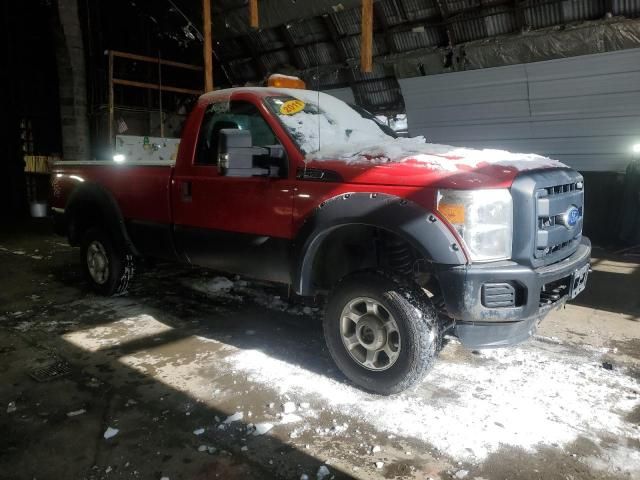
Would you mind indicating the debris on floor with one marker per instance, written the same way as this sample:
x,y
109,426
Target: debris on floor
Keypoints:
x,y
55,370
110,432
75,413
262,428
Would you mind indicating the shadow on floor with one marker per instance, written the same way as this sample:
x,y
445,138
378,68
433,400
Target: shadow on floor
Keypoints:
x,y
613,288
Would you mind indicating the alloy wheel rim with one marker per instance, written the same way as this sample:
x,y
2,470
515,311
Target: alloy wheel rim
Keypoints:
x,y
98,262
370,334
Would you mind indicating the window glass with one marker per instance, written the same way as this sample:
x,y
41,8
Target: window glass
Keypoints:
x,y
240,115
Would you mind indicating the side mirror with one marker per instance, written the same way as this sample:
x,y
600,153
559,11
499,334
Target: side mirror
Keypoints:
x,y
235,154
238,158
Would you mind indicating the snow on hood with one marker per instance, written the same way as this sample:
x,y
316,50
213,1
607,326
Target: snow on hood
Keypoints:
x,y
436,156
339,132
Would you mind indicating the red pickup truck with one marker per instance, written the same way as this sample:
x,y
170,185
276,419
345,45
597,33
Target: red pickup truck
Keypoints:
x,y
407,240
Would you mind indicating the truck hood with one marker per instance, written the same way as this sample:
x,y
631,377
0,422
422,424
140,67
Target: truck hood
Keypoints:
x,y
413,162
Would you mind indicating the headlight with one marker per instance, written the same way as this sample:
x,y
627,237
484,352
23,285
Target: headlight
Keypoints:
x,y
483,218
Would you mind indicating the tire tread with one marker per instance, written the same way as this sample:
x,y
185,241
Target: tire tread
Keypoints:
x,y
412,303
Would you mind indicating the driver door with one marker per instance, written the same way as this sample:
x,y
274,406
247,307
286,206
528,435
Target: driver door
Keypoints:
x,y
233,224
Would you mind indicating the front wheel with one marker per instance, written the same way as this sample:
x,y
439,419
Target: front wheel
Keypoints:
x,y
107,270
382,334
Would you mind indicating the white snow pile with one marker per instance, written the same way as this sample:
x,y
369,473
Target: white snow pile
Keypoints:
x,y
527,397
236,417
262,428
288,407
286,418
339,133
213,285
323,472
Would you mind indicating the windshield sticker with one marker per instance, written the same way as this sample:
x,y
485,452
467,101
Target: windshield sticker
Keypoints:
x,y
292,107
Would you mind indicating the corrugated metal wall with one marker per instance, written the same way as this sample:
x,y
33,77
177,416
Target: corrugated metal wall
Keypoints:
x,y
584,111
344,94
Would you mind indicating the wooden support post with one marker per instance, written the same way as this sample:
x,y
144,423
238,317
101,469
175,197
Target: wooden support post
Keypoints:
x,y
254,19
366,44
208,49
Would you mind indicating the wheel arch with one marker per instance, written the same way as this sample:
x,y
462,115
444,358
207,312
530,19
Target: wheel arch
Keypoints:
x,y
419,228
89,205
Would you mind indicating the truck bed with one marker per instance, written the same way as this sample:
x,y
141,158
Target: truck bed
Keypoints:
x,y
140,189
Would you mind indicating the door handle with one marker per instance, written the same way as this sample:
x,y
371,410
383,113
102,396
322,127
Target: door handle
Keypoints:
x,y
185,189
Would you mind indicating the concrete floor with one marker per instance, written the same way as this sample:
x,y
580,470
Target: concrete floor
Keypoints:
x,y
169,363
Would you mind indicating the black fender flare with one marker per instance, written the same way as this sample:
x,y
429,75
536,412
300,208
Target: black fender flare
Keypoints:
x,y
419,227
93,194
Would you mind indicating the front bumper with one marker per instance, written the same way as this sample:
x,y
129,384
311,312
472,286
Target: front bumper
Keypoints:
x,y
478,326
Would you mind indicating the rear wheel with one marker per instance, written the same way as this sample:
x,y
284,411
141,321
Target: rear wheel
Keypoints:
x,y
382,334
107,269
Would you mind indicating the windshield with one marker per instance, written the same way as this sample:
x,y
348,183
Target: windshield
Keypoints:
x,y
318,122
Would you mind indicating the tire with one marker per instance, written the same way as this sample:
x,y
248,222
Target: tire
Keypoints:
x,y
411,352
107,270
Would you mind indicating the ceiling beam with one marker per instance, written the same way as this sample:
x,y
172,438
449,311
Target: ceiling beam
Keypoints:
x,y
442,8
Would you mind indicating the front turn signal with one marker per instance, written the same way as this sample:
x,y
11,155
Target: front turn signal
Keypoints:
x,y
453,212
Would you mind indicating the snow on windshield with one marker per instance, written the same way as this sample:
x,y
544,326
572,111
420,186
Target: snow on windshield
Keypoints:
x,y
329,129
327,123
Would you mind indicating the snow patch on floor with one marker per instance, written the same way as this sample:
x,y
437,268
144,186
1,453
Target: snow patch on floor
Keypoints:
x,y
526,397
21,253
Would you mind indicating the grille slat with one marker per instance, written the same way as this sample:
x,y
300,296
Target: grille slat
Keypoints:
x,y
557,189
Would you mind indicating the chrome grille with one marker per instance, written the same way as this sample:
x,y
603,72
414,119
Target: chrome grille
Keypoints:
x,y
540,198
553,234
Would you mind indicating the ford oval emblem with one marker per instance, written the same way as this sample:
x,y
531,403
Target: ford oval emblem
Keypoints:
x,y
571,216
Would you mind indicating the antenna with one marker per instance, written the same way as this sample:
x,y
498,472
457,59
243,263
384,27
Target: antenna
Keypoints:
x,y
318,90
